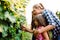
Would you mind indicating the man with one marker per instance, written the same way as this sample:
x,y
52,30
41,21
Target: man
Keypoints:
x,y
53,22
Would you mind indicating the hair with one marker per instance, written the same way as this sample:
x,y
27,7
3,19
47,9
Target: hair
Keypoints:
x,y
37,20
40,5
36,6
33,24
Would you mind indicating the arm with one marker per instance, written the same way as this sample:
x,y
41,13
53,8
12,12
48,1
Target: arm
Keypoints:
x,y
26,29
50,18
45,36
47,28
44,29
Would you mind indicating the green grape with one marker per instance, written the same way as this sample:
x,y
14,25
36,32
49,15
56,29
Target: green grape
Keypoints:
x,y
11,18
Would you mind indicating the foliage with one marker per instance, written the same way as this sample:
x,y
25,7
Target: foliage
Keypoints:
x,y
11,17
58,14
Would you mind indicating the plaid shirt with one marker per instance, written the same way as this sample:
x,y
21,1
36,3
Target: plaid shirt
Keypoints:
x,y
52,20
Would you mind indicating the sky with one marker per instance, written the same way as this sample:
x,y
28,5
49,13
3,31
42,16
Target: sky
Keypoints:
x,y
53,5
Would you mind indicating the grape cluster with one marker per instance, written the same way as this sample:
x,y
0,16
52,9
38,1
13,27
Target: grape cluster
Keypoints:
x,y
11,18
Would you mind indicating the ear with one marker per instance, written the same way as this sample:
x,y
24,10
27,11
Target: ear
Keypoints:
x,y
41,6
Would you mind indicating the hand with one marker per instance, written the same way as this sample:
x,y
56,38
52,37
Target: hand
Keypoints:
x,y
35,33
23,28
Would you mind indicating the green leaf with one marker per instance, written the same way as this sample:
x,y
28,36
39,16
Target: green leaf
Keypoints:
x,y
11,18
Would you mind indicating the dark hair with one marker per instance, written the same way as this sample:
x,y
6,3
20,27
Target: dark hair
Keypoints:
x,y
33,24
41,5
40,19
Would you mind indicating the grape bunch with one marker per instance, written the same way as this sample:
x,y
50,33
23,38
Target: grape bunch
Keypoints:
x,y
12,15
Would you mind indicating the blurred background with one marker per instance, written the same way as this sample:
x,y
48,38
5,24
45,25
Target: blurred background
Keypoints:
x,y
53,5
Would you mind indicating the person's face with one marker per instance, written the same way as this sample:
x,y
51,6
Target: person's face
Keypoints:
x,y
36,22
37,10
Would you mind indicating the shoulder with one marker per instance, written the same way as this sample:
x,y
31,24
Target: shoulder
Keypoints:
x,y
46,10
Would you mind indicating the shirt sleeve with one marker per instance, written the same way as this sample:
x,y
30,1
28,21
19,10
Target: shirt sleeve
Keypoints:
x,y
50,17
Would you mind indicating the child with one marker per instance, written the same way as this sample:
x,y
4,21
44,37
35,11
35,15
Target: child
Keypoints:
x,y
38,25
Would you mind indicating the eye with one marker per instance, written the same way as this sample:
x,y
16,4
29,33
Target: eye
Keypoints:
x,y
36,7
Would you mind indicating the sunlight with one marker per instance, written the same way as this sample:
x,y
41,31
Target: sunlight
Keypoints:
x,y
53,5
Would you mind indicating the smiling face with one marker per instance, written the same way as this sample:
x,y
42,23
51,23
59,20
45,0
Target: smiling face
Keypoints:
x,y
37,9
36,22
